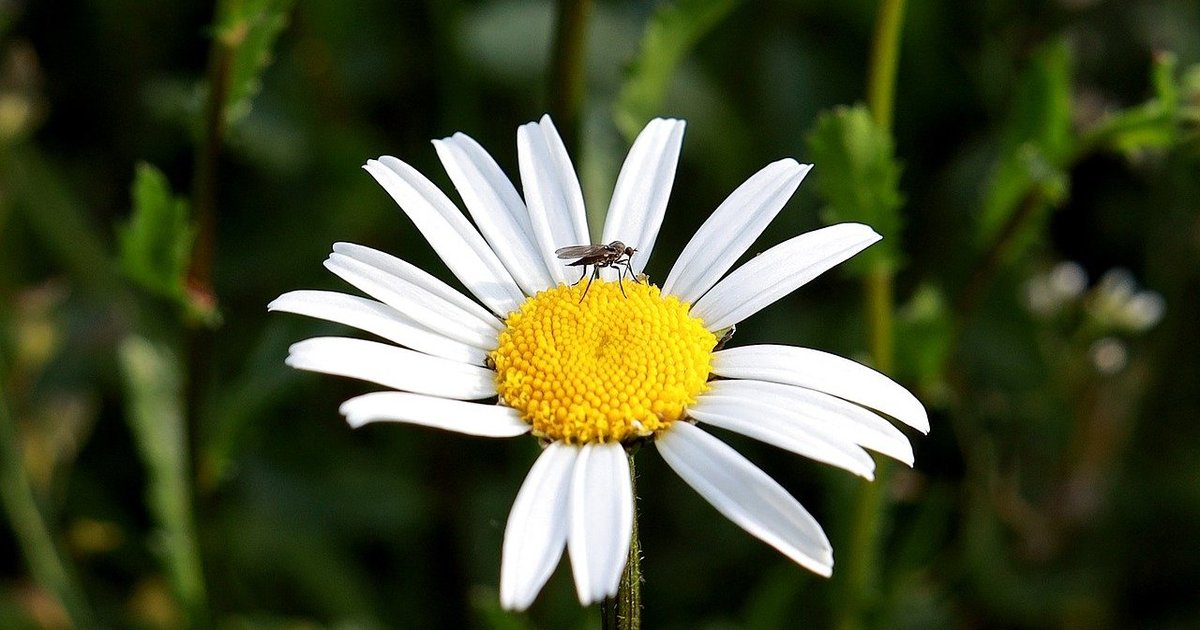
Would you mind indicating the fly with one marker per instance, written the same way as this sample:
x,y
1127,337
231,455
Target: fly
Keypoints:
x,y
614,254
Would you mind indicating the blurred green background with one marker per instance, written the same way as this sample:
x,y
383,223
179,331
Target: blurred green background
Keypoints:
x,y
168,168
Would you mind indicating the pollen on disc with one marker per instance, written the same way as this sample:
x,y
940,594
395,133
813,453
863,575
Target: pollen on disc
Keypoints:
x,y
610,368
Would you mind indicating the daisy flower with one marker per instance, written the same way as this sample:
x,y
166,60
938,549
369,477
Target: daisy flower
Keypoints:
x,y
589,375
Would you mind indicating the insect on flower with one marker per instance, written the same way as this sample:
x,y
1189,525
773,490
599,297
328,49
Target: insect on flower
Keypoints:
x,y
614,254
516,360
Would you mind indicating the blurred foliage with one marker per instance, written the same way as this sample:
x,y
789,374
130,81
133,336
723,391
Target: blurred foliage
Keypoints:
x,y
154,393
1035,144
158,473
155,246
858,178
248,30
670,34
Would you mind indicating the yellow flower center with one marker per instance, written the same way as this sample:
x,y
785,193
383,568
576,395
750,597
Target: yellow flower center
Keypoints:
x,y
608,369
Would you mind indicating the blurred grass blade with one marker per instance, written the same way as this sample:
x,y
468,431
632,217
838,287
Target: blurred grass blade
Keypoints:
x,y
154,392
248,29
673,30
155,245
29,526
858,176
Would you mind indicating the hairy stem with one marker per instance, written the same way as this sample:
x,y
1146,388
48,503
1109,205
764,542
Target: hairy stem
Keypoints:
x,y
624,612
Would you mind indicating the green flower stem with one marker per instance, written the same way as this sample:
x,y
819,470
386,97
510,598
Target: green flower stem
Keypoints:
x,y
567,68
859,571
46,564
624,612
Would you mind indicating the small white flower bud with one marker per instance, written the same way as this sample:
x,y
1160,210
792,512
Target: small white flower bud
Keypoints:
x,y
1108,355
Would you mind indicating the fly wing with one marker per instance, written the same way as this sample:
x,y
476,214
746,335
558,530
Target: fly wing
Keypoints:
x,y
576,251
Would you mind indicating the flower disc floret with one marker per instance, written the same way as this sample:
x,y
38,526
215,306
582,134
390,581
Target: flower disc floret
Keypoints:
x,y
609,368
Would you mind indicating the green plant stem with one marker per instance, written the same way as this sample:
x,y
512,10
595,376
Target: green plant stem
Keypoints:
x,y
46,564
567,68
204,212
169,451
624,612
885,55
878,285
859,572
207,159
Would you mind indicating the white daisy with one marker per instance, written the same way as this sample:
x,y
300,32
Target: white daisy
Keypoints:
x,y
591,374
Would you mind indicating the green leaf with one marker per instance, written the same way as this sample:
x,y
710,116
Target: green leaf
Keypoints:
x,y
155,245
1037,142
1041,112
856,173
672,32
247,29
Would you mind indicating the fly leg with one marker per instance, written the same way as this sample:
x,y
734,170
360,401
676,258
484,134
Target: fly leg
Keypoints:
x,y
629,268
595,274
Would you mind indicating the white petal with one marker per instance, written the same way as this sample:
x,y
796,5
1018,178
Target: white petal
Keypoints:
x,y
394,367
820,413
643,187
412,274
779,271
762,422
424,307
601,514
537,527
463,250
376,318
823,372
497,209
430,411
746,495
732,228
552,193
